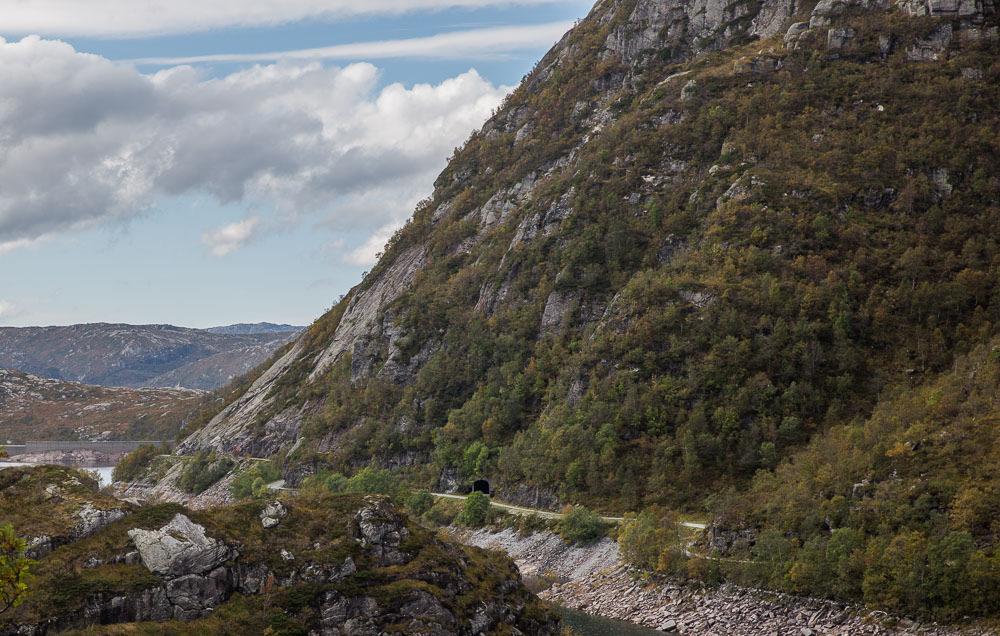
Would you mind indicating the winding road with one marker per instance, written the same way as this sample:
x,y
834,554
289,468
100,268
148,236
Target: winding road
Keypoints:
x,y
548,514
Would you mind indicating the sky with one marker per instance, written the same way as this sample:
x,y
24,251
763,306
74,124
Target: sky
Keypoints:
x,y
207,163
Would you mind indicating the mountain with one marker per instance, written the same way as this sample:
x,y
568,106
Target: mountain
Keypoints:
x,y
243,329
697,254
33,408
140,355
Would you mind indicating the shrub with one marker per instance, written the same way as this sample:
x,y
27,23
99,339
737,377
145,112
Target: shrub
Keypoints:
x,y
419,502
325,480
645,537
132,465
476,510
203,470
13,568
245,485
374,481
581,525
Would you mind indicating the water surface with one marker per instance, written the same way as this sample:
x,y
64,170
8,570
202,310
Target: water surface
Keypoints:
x,y
102,473
584,624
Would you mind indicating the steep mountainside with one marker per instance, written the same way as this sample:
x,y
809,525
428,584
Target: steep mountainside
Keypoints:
x,y
330,565
698,236
141,355
41,409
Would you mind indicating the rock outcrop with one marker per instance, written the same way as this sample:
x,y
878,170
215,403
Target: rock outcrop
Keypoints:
x,y
180,547
326,565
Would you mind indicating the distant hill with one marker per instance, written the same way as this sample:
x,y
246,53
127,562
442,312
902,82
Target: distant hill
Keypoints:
x,y
243,328
141,355
39,408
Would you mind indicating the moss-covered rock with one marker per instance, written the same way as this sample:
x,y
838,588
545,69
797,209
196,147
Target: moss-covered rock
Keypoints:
x,y
331,563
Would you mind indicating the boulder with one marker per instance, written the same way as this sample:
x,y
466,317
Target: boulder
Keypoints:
x,y
93,519
381,530
794,33
180,548
838,38
272,514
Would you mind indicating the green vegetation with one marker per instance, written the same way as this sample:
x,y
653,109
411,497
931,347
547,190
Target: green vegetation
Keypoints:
x,y
317,530
202,471
475,510
13,569
581,525
253,481
419,502
764,286
899,510
135,464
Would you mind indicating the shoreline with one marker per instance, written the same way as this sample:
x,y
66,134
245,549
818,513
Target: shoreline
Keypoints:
x,y
593,579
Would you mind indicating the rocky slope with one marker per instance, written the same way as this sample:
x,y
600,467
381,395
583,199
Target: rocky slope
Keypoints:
x,y
41,409
141,355
335,565
698,236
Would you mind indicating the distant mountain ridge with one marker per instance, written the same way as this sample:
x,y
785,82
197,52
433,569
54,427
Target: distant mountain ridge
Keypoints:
x,y
141,355
244,328
44,409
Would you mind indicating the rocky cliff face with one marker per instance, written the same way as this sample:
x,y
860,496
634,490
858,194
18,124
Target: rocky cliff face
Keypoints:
x,y
329,566
659,267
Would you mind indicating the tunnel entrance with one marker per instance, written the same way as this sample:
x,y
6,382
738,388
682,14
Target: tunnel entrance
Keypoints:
x,y
481,485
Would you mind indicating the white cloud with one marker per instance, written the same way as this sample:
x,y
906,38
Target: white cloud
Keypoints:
x,y
474,43
367,253
229,238
131,18
84,141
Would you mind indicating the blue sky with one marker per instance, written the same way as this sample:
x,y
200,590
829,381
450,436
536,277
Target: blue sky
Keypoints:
x,y
202,193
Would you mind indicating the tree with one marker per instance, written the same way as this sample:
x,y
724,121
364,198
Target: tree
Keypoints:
x,y
581,525
13,568
476,509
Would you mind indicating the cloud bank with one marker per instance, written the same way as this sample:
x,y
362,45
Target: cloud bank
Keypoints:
x,y
134,18
473,43
85,141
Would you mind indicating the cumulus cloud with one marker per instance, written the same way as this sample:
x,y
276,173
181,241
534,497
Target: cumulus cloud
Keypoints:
x,y
229,238
85,141
131,18
473,43
366,254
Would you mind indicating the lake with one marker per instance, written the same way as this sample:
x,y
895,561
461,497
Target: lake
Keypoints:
x,y
584,624
103,473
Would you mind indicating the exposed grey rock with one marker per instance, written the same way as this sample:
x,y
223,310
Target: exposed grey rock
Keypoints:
x,y
503,202
272,514
365,307
826,11
343,616
38,547
381,530
943,187
93,519
191,595
794,33
839,37
933,47
689,91
180,548
557,307
741,189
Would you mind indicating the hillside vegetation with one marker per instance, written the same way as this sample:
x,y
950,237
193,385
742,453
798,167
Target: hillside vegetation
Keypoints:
x,y
702,265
